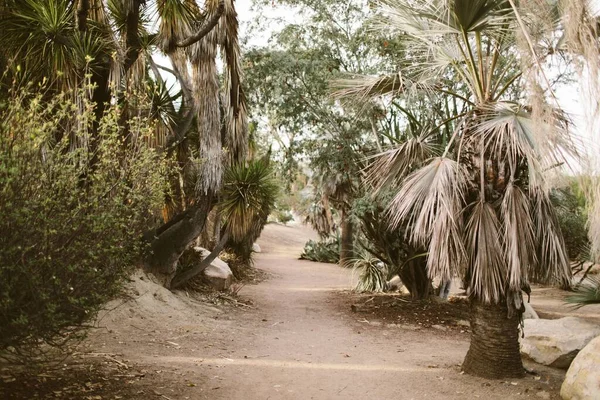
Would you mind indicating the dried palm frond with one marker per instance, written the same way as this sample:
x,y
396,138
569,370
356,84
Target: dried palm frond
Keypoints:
x,y
519,241
430,201
430,190
553,266
392,165
484,248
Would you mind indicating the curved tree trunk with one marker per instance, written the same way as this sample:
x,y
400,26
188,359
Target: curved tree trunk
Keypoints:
x,y
347,239
494,350
414,277
173,238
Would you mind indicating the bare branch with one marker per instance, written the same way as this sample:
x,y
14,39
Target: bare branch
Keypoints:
x,y
205,29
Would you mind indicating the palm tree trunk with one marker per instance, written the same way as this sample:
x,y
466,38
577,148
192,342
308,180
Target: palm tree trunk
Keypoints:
x,y
494,350
347,239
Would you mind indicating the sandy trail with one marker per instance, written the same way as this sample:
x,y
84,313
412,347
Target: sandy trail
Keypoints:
x,y
297,343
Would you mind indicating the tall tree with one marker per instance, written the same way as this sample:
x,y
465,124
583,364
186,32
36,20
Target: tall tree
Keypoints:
x,y
481,208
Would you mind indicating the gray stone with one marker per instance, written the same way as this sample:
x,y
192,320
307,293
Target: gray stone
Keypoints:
x,y
529,312
256,248
583,377
556,342
218,273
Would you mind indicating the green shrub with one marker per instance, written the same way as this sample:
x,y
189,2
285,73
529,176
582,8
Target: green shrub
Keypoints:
x,y
283,216
73,206
326,250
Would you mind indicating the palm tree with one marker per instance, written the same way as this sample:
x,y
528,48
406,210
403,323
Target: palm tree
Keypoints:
x,y
108,47
481,208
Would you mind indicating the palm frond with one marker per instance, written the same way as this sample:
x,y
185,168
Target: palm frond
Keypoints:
x,y
429,202
511,133
484,237
519,241
392,165
553,266
588,292
426,192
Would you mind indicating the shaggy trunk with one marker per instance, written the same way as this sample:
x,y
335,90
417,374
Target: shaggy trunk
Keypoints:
x,y
172,239
494,350
347,239
414,277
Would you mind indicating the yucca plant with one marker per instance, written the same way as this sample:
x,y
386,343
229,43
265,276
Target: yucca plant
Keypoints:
x,y
372,273
248,196
481,208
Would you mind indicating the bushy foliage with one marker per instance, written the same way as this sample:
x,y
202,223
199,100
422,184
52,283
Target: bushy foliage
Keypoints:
x,y
249,195
325,250
73,206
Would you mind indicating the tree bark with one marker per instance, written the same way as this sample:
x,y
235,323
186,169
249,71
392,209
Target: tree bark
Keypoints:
x,y
347,239
181,279
414,277
169,245
494,350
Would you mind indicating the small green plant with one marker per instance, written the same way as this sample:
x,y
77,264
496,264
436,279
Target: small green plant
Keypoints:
x,y
284,217
326,250
372,273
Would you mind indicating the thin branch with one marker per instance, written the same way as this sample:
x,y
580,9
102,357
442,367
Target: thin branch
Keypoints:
x,y
205,29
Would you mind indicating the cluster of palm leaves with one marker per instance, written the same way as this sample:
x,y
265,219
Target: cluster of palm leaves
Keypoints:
x,y
481,207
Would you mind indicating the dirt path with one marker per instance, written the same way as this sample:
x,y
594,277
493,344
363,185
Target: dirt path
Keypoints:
x,y
296,342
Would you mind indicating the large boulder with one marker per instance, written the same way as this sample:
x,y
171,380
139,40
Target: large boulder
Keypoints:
x,y
583,377
218,274
556,342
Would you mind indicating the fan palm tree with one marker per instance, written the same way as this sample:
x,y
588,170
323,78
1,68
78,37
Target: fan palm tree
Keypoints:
x,y
110,44
481,208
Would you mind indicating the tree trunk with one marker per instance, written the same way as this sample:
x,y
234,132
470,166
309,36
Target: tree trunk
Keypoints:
x,y
173,239
494,350
347,239
414,277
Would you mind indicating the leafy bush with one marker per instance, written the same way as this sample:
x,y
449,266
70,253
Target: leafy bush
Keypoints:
x,y
372,274
284,216
326,250
75,197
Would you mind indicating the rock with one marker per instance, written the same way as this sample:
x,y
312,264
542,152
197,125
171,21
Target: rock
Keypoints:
x,y
543,395
583,377
529,312
462,322
218,273
439,327
256,248
556,342
394,284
